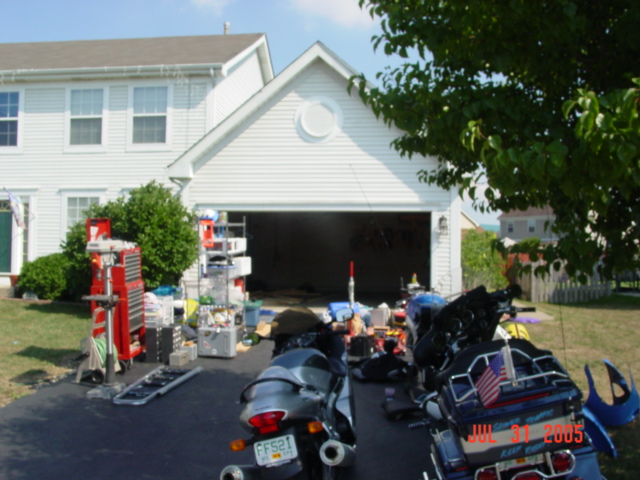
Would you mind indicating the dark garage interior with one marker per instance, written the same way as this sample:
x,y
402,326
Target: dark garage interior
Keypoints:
x,y
312,251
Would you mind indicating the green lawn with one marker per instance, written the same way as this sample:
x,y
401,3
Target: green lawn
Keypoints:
x,y
38,343
586,334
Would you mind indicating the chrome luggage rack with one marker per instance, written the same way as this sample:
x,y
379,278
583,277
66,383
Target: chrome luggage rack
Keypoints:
x,y
462,385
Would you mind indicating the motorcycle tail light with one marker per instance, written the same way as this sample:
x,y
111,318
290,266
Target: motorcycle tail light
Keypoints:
x,y
315,427
267,422
238,445
487,474
561,462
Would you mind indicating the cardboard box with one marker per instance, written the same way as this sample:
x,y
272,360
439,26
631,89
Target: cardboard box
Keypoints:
x,y
179,358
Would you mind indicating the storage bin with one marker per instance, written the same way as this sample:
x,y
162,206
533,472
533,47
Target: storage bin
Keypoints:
x,y
252,313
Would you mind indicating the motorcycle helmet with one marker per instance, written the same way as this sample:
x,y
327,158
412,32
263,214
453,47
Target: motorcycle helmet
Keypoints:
x,y
517,330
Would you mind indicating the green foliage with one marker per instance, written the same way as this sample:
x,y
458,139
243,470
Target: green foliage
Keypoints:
x,y
481,263
46,276
540,98
156,221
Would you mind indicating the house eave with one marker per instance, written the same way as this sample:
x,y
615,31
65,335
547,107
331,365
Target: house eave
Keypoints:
x,y
92,73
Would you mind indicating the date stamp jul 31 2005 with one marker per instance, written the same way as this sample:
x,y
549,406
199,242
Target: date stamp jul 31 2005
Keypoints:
x,y
520,434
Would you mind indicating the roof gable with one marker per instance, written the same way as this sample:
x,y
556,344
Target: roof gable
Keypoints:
x,y
183,166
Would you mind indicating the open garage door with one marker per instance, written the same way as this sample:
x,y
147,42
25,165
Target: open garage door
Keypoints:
x,y
312,251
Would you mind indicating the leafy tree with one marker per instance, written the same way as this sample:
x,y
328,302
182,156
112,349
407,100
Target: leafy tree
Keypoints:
x,y
481,263
541,99
153,219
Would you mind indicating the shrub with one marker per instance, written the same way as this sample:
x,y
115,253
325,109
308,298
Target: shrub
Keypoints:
x,y
152,218
46,276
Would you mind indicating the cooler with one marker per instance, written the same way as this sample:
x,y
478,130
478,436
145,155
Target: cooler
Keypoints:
x,y
217,341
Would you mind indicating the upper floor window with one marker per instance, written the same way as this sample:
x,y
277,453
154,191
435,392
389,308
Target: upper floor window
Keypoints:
x,y
510,227
531,225
85,112
9,110
150,114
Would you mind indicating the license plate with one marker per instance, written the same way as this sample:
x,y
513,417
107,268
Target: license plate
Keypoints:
x,y
275,450
521,462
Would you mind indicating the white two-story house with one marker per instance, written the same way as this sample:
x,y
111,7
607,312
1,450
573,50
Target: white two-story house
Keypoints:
x,y
303,161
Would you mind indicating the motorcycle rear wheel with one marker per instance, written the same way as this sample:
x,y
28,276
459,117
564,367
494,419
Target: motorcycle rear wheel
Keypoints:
x,y
315,469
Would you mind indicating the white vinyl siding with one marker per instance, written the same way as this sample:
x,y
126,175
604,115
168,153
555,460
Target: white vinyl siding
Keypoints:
x,y
240,84
268,166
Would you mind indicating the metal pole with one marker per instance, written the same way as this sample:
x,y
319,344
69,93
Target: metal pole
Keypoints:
x,y
110,378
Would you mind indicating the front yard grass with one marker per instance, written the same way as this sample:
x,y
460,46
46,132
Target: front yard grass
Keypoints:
x,y
38,344
586,334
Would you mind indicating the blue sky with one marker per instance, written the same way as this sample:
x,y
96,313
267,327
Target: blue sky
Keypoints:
x,y
291,26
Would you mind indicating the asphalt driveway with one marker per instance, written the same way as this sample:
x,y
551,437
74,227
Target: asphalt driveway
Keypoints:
x,y
58,433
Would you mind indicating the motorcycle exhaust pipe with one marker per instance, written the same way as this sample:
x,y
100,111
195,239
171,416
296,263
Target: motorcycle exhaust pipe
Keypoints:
x,y
337,454
240,472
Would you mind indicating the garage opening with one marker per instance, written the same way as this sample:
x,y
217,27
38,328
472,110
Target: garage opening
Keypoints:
x,y
312,251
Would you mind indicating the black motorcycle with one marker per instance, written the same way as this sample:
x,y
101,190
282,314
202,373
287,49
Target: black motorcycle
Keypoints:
x,y
300,409
498,408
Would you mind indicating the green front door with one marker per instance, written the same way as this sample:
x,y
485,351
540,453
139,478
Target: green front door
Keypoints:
x,y
5,238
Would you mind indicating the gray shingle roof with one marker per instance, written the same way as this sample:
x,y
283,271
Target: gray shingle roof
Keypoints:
x,y
194,50
530,212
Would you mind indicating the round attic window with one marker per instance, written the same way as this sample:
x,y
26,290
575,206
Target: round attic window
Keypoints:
x,y
318,119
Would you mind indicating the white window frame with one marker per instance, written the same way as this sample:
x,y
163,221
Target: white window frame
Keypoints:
x,y
531,226
17,241
88,148
150,147
12,150
510,227
64,205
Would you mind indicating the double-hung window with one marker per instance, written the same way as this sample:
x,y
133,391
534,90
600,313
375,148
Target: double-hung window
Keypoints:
x,y
77,206
150,115
9,111
85,117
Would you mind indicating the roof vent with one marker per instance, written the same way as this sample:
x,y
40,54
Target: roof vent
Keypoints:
x,y
318,119
226,27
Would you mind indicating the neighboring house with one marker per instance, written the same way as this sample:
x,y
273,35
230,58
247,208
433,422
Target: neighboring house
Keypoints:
x,y
468,223
517,225
306,164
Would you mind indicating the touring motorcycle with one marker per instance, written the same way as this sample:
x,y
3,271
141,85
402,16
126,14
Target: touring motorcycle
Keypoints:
x,y
496,409
300,409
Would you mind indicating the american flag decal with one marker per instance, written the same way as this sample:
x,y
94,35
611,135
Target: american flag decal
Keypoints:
x,y
488,384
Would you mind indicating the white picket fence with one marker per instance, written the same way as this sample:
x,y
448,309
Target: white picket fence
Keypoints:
x,y
556,287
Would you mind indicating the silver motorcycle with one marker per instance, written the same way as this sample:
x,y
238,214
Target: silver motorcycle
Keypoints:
x,y
300,409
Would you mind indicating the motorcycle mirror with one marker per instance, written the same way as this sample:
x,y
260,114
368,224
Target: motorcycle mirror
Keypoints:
x,y
344,314
250,339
